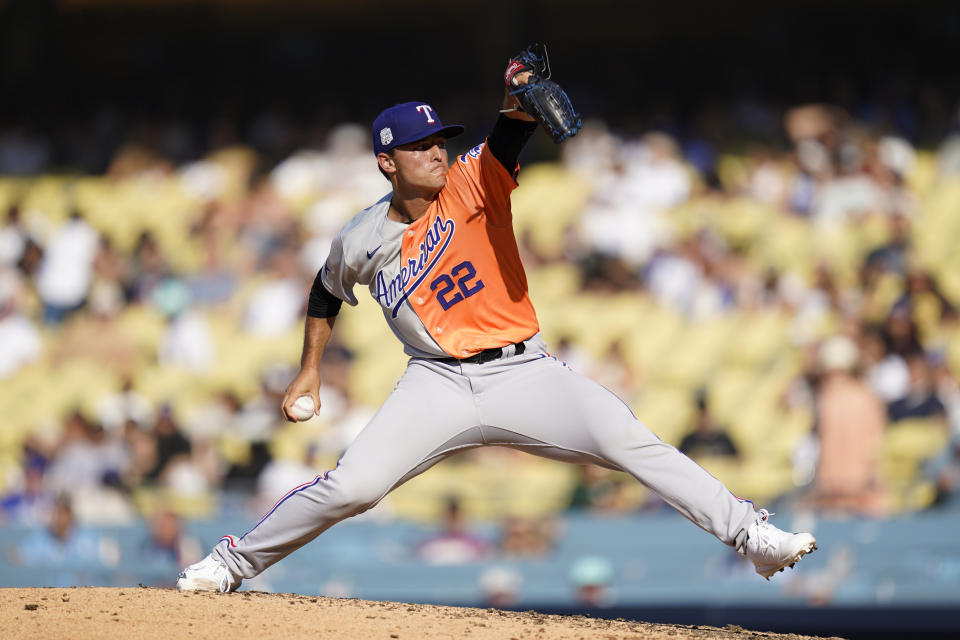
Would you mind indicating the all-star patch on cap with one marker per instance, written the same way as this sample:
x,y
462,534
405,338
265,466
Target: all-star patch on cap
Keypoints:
x,y
408,122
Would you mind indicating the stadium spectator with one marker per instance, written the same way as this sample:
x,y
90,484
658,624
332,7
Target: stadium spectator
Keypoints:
x,y
29,503
280,475
592,577
624,218
99,336
267,224
141,443
65,545
13,238
599,490
891,257
850,421
255,425
681,226
186,341
903,335
30,260
613,371
576,357
167,544
526,537
947,389
148,268
66,271
85,456
769,179
205,426
276,305
943,470
921,399
501,587
347,419
20,340
454,543
24,151
114,410
88,467
171,444
215,281
885,372
708,439
110,269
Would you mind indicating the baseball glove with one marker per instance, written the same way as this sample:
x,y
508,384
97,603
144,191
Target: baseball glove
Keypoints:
x,y
541,97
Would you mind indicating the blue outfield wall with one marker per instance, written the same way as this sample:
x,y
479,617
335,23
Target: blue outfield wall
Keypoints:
x,y
868,579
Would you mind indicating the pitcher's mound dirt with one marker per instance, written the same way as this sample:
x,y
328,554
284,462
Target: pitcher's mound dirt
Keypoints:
x,y
132,614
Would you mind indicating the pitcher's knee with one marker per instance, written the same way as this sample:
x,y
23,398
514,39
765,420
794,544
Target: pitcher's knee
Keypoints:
x,y
626,441
354,499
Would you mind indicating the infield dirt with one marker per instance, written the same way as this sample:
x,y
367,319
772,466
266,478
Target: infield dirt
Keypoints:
x,y
145,613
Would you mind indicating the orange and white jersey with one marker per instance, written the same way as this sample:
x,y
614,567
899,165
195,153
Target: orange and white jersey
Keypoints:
x,y
450,283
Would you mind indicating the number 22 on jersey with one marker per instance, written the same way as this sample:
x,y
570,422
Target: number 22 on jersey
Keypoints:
x,y
464,273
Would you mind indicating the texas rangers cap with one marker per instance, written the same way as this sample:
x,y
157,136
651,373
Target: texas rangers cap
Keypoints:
x,y
408,122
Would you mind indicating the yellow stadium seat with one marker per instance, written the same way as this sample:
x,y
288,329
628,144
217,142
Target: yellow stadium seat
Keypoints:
x,y
150,500
696,352
754,427
787,246
363,327
292,440
906,445
915,439
160,384
527,486
752,478
741,221
728,390
732,171
48,198
11,192
145,326
549,202
922,176
649,344
667,411
758,339
953,352
79,384
947,274
553,283
373,375
871,232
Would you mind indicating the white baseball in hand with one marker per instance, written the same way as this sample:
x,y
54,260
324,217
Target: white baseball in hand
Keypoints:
x,y
303,409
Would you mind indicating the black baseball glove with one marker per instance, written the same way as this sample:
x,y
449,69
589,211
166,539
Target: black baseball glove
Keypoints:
x,y
541,97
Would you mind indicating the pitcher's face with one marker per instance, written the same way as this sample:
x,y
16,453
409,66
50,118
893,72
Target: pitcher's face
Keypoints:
x,y
419,164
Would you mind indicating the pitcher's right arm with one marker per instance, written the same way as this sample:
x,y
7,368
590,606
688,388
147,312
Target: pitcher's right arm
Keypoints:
x,y
321,316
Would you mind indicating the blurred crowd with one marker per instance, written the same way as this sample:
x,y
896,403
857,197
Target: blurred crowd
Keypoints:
x,y
864,275
785,313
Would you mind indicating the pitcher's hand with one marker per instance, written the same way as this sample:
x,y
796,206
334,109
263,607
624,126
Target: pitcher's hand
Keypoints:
x,y
307,383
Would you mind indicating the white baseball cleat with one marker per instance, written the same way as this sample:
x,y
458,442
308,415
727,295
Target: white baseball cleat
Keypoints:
x,y
210,574
771,549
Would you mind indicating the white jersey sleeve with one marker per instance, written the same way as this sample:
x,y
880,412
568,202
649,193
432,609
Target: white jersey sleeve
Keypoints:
x,y
337,273
348,262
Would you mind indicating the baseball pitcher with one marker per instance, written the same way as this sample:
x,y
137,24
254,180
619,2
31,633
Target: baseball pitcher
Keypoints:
x,y
438,253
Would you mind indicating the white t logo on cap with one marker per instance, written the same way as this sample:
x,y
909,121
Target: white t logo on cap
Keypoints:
x,y
426,109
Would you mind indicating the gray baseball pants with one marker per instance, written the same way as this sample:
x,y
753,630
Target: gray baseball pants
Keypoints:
x,y
529,401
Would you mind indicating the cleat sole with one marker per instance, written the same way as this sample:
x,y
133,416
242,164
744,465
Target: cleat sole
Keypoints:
x,y
768,573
